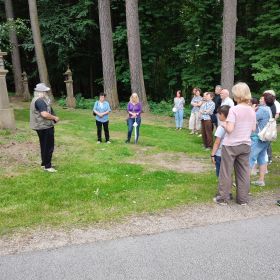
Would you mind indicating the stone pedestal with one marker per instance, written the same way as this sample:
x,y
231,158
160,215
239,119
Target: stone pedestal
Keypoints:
x,y
26,93
70,99
7,118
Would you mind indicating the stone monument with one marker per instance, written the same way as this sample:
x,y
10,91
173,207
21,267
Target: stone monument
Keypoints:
x,y
7,118
70,100
26,93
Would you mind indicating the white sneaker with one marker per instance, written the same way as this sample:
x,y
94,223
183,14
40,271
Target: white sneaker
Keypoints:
x,y
98,142
108,142
51,169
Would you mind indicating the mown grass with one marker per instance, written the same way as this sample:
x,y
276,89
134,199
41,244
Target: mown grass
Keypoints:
x,y
94,182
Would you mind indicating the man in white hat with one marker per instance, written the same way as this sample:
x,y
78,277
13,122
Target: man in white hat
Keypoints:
x,y
42,119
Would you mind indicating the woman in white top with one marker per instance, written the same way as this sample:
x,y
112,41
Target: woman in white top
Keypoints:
x,y
178,109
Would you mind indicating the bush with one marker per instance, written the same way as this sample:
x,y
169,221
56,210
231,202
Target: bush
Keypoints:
x,y
163,108
81,102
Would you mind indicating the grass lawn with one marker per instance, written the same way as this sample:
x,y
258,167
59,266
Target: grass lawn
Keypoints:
x,y
97,183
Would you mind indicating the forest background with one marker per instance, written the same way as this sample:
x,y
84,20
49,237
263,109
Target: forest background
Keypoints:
x,y
181,44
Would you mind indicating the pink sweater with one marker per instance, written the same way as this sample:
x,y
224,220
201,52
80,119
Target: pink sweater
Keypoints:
x,y
244,119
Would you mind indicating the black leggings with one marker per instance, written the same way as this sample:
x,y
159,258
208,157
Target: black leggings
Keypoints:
x,y
99,130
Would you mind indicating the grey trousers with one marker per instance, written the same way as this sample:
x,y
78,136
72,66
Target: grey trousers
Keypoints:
x,y
237,158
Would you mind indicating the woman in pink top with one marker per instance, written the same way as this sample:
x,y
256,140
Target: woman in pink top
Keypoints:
x,y
240,123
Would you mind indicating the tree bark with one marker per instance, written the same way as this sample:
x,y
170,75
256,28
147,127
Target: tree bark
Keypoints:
x,y
108,63
228,45
15,50
39,51
134,52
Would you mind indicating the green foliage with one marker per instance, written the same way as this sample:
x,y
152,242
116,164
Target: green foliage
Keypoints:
x,y
19,26
266,53
81,102
180,44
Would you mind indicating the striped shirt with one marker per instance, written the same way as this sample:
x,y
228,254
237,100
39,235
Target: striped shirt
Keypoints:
x,y
209,105
196,99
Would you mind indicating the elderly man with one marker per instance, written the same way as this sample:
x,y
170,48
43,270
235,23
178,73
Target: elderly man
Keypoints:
x,y
217,100
226,100
42,120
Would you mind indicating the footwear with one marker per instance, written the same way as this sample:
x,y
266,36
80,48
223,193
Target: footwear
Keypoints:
x,y
278,202
191,133
51,170
220,201
127,142
42,166
180,128
98,142
199,135
243,204
254,172
258,183
108,142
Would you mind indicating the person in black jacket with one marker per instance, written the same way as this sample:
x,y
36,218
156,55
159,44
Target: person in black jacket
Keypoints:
x,y
217,100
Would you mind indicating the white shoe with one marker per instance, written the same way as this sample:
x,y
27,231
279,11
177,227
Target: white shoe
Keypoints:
x,y
98,142
108,142
51,169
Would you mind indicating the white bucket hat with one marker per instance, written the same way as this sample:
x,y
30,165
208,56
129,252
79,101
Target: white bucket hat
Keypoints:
x,y
41,87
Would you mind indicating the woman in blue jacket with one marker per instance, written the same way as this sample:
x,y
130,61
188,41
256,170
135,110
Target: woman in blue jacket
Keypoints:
x,y
101,110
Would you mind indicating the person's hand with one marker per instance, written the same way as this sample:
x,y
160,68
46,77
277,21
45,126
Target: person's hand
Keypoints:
x,y
213,160
56,119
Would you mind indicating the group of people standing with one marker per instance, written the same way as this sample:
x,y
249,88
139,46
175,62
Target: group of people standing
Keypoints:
x,y
237,146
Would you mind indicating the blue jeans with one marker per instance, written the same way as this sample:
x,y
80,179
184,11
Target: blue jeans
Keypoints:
x,y
217,164
130,123
258,152
179,118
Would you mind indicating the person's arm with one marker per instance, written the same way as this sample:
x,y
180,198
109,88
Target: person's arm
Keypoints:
x,y
210,110
229,127
108,110
215,148
95,110
49,116
138,109
129,110
194,104
42,107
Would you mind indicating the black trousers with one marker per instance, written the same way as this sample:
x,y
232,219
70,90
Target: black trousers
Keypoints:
x,y
99,130
46,137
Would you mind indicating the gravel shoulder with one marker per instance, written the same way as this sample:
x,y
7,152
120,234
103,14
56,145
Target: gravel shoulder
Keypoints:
x,y
262,204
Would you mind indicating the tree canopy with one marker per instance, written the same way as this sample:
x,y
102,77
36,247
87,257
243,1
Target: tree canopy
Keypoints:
x,y
180,44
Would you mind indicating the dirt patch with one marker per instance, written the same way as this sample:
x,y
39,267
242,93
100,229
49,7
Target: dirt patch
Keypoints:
x,y
15,154
179,218
179,162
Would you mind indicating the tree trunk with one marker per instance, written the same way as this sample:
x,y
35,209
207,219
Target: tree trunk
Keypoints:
x,y
109,73
39,51
134,52
228,47
15,50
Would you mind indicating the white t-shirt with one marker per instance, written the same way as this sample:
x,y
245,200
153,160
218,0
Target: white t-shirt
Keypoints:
x,y
227,101
220,132
277,105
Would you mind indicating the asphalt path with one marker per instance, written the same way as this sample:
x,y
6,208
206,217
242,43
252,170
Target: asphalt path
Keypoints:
x,y
247,249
